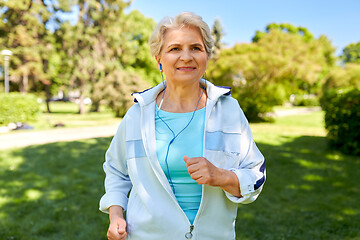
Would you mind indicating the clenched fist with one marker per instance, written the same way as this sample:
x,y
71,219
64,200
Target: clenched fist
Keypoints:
x,y
204,172
117,227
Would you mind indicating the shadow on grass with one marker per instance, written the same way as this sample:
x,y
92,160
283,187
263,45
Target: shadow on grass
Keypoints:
x,y
311,192
52,192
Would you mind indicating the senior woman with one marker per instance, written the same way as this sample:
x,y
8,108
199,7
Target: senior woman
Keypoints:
x,y
185,149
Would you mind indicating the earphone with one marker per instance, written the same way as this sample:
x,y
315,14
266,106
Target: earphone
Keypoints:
x,y
163,81
174,135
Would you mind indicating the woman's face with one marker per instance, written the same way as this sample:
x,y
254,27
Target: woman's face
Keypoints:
x,y
183,56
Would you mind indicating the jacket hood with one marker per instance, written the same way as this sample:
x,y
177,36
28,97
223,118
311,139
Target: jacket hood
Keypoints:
x,y
149,95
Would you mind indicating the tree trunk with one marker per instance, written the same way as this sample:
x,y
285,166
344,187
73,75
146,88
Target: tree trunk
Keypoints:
x,y
81,104
81,98
95,106
24,83
47,83
48,96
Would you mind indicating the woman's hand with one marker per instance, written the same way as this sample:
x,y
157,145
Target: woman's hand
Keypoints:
x,y
117,227
204,172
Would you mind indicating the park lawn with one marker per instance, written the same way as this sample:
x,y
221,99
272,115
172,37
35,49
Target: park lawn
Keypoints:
x,y
66,113
52,191
311,191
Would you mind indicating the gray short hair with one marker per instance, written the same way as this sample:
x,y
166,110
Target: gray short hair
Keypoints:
x,y
183,19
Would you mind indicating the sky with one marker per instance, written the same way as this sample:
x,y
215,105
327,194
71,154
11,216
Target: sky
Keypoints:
x,y
339,20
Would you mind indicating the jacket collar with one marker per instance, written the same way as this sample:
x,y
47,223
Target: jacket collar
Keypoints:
x,y
149,95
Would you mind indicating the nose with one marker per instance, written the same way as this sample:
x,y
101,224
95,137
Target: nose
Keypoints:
x,y
186,55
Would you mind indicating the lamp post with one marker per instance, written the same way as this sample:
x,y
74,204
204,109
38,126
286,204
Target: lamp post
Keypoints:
x,y
7,54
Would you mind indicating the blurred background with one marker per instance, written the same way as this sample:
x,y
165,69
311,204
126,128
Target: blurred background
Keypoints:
x,y
67,71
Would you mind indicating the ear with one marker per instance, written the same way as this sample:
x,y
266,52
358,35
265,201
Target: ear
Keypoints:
x,y
159,64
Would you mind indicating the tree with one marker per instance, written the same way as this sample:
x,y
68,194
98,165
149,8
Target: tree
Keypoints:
x,y
137,63
57,78
303,49
52,54
88,57
105,40
139,29
23,30
116,87
217,33
343,77
351,53
285,28
347,76
266,72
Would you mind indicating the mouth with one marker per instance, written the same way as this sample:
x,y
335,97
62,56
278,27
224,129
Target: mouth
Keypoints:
x,y
186,69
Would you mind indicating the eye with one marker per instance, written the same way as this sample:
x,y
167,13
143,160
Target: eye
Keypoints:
x,y
198,48
174,49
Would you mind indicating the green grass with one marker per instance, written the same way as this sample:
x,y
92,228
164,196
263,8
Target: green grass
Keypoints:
x,y
287,107
67,114
311,192
52,191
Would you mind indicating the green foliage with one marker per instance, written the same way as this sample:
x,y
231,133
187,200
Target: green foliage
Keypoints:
x,y
140,29
104,42
217,33
265,73
342,119
74,57
305,100
343,77
116,90
286,28
253,104
22,30
351,53
16,107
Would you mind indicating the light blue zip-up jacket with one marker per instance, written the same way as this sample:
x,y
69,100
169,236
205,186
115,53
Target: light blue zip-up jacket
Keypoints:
x,y
152,210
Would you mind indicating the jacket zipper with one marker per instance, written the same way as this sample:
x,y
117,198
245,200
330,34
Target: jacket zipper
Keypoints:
x,y
189,235
172,195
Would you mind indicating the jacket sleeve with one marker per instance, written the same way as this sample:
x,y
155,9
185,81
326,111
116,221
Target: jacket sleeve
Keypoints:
x,y
117,181
251,171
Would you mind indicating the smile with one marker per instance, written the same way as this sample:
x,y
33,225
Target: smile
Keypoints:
x,y
186,69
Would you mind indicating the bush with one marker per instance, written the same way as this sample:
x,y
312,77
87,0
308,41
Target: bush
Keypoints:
x,y
255,105
342,119
257,102
17,107
305,100
115,90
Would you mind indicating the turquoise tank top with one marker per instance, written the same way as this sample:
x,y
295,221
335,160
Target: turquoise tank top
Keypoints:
x,y
190,142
